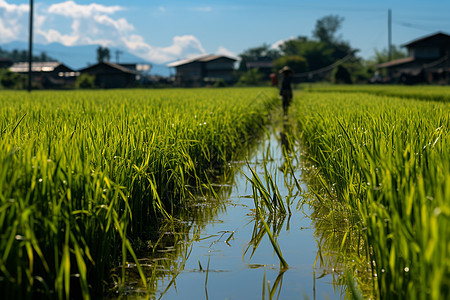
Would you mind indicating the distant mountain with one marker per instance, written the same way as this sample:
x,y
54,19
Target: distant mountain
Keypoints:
x,y
78,57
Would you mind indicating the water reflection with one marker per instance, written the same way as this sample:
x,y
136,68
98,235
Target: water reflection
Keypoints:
x,y
163,258
342,251
274,289
220,249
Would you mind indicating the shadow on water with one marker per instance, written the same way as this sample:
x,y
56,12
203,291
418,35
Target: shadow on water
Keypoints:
x,y
230,244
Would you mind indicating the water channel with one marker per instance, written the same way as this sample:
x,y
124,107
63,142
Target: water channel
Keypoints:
x,y
209,254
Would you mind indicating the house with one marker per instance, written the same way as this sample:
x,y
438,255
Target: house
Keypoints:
x,y
110,75
264,65
143,71
203,70
5,62
427,61
52,74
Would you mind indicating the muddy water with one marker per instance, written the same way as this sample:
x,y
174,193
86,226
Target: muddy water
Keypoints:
x,y
209,255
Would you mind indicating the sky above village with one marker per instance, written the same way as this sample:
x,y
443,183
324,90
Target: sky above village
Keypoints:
x,y
164,31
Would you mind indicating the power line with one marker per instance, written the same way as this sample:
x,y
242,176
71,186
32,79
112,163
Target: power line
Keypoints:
x,y
414,26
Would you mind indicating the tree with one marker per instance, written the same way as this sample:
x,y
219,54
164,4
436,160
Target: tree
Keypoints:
x,y
326,28
297,63
261,53
22,56
383,55
341,75
325,31
251,77
12,80
316,53
44,57
103,54
85,81
293,46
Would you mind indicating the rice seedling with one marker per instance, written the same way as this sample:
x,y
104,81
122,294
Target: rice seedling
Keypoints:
x,y
419,92
341,247
83,174
268,202
387,160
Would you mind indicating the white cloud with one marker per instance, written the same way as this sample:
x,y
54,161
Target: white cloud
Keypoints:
x,y
71,9
203,9
182,47
70,24
55,36
277,44
13,21
91,24
223,51
186,43
14,8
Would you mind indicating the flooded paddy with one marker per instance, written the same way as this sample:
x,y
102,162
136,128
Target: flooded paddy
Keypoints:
x,y
220,250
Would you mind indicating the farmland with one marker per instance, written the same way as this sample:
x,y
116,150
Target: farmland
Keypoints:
x,y
386,159
83,171
88,175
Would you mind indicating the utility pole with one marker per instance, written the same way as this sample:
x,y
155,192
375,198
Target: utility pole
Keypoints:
x,y
118,52
390,34
30,47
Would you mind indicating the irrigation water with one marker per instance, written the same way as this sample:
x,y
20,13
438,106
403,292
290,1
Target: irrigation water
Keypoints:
x,y
219,250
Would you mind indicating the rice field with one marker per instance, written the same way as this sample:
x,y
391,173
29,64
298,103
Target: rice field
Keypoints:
x,y
387,160
418,92
86,175
82,173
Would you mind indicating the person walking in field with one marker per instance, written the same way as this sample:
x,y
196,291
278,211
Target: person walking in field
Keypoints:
x,y
285,88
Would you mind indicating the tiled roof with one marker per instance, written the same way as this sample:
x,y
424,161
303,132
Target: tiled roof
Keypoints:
x,y
202,58
22,67
439,35
396,62
111,65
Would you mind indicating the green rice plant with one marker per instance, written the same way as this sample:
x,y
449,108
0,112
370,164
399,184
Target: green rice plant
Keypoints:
x,y
84,173
387,160
268,200
418,92
341,244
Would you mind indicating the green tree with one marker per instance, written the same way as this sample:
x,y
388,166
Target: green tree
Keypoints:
x,y
261,53
383,55
11,80
103,54
316,53
341,75
85,81
22,56
297,63
251,78
326,28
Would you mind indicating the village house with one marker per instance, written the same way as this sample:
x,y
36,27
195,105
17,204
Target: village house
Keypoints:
x,y
264,65
203,70
110,75
5,63
52,74
427,61
142,71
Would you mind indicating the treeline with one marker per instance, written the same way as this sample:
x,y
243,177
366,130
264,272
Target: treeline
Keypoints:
x,y
325,56
22,56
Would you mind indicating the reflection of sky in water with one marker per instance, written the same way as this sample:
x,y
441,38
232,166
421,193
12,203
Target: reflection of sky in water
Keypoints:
x,y
230,276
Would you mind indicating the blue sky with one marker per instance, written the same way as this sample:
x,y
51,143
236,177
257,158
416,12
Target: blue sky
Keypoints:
x,y
163,31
